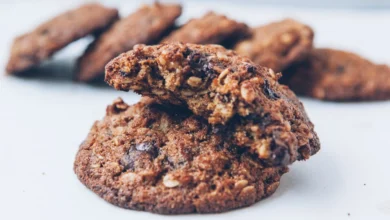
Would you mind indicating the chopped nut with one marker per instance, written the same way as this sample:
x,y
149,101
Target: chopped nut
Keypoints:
x,y
116,142
222,56
241,184
286,38
162,60
194,81
158,91
203,92
129,177
263,148
248,190
248,92
255,128
169,182
223,75
125,69
96,165
114,167
136,88
187,93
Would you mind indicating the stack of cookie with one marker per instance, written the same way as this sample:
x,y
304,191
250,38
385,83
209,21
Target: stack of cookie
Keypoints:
x,y
213,132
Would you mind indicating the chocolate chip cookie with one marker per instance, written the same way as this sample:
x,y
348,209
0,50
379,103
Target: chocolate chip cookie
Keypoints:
x,y
32,48
242,100
277,45
212,28
339,76
164,159
146,25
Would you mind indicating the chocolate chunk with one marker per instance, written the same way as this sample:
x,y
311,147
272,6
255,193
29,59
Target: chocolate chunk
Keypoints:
x,y
269,92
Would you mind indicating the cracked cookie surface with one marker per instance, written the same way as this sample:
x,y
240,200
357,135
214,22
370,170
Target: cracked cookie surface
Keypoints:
x,y
239,98
30,49
336,75
146,26
164,159
277,45
212,28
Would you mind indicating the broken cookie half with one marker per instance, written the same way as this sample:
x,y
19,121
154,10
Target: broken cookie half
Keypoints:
x,y
238,98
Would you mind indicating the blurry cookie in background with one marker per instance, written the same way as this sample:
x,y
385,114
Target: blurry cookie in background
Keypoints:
x,y
212,28
277,45
32,48
145,26
336,75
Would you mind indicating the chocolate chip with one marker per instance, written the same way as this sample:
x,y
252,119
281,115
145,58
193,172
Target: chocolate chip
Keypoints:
x,y
340,69
139,155
128,160
187,52
218,129
237,150
269,92
199,62
220,147
134,70
263,121
250,68
154,72
123,73
147,147
209,71
194,59
280,155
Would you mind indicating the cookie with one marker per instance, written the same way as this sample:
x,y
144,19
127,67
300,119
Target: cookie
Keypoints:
x,y
336,75
164,159
242,100
30,49
212,28
146,25
277,45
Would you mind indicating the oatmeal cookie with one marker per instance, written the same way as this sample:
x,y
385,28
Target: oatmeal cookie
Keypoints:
x,y
241,99
212,28
162,159
30,49
277,45
336,75
146,26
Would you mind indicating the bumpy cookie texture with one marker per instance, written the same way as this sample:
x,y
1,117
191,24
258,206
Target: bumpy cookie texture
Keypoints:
x,y
242,100
212,28
277,45
32,48
146,26
166,160
339,76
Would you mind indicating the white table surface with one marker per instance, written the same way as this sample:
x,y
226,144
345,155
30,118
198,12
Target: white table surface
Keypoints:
x,y
43,119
